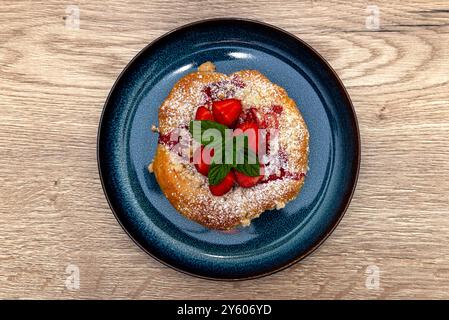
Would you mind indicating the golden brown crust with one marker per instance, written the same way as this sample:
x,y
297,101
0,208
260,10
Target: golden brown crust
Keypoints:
x,y
187,190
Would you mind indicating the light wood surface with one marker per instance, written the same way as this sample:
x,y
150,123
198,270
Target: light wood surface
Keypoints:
x,y
54,80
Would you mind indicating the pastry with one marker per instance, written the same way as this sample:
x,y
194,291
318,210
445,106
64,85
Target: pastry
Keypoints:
x,y
223,196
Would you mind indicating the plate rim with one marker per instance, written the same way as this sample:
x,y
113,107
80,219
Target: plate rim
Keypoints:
x,y
348,199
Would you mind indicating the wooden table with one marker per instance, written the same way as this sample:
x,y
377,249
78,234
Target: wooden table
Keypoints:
x,y
55,75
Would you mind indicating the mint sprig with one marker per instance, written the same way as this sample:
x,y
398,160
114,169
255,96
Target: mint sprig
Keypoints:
x,y
217,172
250,165
244,160
198,130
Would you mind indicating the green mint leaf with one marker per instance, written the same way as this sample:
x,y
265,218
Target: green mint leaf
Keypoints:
x,y
217,172
239,149
250,165
218,155
243,159
251,170
244,154
198,128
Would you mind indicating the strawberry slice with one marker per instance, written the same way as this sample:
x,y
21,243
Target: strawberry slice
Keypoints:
x,y
278,109
202,159
224,186
227,111
257,116
202,113
251,115
251,130
246,181
270,120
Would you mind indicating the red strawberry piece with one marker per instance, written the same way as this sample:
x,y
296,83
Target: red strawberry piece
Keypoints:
x,y
202,159
224,186
202,113
257,116
246,181
227,111
251,115
251,130
277,109
270,120
245,117
208,92
267,141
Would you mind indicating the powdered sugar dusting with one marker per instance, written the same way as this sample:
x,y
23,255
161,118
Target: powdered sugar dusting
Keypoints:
x,y
240,204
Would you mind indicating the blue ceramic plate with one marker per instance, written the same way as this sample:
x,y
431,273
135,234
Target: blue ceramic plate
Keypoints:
x,y
126,146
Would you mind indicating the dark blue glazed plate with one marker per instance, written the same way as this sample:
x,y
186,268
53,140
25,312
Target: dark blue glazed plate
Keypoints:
x,y
126,146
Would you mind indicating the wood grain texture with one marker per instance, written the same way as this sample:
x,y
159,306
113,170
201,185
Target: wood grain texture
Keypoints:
x,y
53,84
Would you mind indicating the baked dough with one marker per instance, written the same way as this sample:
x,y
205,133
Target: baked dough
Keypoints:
x,y
187,190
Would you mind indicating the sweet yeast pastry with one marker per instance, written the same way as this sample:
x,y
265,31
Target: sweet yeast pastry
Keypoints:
x,y
243,100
